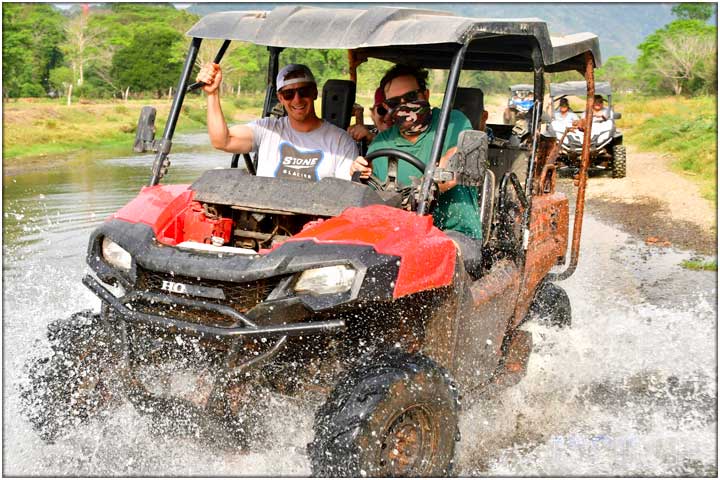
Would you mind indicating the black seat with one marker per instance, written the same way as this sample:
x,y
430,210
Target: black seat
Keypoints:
x,y
470,101
338,97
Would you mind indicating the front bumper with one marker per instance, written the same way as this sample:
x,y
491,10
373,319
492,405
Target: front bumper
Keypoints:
x,y
243,326
230,296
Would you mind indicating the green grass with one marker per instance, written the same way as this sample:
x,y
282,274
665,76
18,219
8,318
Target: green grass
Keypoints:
x,y
708,265
685,128
41,130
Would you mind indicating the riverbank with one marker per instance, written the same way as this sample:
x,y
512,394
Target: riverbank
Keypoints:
x,y
44,133
40,133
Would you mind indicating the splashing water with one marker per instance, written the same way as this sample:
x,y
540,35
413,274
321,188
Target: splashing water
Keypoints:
x,y
629,390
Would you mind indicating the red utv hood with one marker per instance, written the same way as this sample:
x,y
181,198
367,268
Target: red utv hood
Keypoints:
x,y
427,255
158,206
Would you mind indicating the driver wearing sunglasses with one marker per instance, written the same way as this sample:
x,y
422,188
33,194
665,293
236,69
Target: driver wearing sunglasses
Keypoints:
x,y
300,145
415,124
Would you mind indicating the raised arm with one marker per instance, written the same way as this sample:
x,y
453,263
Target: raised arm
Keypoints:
x,y
239,138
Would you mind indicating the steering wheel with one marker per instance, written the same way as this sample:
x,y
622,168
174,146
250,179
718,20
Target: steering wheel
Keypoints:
x,y
393,155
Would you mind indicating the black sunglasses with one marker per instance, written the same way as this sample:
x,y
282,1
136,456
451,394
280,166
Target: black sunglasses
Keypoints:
x,y
305,92
410,96
381,110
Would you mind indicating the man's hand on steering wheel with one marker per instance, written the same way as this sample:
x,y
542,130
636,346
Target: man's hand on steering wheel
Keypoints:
x,y
363,166
362,170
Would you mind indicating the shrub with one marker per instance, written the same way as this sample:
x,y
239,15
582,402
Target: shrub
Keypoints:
x,y
32,90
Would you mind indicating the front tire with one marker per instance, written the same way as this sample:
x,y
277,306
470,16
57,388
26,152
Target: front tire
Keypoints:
x,y
619,161
394,415
71,385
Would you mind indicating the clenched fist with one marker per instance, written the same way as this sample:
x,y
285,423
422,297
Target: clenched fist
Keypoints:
x,y
211,75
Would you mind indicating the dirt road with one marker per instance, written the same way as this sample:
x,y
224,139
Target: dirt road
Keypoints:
x,y
653,202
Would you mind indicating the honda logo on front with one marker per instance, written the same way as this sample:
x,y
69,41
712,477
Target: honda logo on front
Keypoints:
x,y
174,287
193,290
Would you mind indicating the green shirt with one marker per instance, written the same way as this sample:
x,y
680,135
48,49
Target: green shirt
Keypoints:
x,y
457,209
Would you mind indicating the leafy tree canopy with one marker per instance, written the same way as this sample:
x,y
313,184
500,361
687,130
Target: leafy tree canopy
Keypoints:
x,y
31,35
619,72
145,64
684,35
694,11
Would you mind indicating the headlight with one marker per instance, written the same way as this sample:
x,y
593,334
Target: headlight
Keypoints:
x,y
321,281
115,255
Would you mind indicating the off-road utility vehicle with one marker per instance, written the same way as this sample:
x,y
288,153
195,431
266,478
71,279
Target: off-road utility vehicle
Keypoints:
x,y
607,151
332,290
519,104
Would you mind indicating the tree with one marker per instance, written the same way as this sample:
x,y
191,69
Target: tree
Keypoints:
x,y
246,67
62,78
619,72
31,35
682,59
79,45
661,50
693,11
16,59
146,63
114,26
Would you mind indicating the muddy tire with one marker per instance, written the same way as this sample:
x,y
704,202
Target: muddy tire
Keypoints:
x,y
552,305
394,415
619,162
72,383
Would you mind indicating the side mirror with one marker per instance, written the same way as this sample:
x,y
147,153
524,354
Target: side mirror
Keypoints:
x,y
145,132
471,159
617,115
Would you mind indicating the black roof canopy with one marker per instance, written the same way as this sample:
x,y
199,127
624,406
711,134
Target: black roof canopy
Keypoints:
x,y
423,37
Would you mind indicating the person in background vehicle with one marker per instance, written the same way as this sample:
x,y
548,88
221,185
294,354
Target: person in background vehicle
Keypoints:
x,y
380,118
599,112
483,126
299,145
415,124
564,117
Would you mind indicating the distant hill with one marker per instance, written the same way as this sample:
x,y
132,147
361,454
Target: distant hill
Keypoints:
x,y
620,26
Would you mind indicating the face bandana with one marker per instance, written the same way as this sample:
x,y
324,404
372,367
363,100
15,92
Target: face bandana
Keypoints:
x,y
412,118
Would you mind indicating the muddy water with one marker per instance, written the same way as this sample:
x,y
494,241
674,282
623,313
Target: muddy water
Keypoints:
x,y
629,390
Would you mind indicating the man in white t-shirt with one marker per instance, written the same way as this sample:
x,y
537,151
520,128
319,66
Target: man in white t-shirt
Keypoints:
x,y
564,117
299,145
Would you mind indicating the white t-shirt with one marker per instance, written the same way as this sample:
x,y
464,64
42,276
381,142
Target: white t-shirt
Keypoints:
x,y
283,152
560,123
600,115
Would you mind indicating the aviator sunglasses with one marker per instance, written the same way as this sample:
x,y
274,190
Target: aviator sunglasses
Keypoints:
x,y
305,92
407,97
